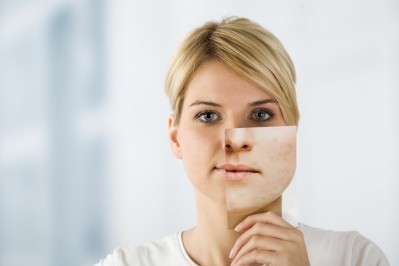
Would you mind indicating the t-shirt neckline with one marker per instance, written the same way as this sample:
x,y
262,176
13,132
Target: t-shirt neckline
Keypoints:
x,y
183,249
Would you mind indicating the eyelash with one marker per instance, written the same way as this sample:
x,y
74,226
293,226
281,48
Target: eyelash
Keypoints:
x,y
269,112
199,116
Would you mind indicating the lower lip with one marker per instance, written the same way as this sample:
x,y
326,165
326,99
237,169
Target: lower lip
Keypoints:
x,y
237,176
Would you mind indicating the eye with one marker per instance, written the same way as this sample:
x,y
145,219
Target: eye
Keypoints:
x,y
261,115
208,116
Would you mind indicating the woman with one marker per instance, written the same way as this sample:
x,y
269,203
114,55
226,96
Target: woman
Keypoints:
x,y
227,75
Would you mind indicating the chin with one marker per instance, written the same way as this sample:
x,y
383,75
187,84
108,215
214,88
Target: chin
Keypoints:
x,y
243,208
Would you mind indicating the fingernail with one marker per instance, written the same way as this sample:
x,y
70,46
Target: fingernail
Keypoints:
x,y
238,227
232,253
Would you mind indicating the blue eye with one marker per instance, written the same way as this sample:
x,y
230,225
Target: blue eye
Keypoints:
x,y
207,117
261,115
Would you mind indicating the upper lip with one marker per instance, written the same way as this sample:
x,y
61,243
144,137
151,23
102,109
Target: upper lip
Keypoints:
x,y
237,168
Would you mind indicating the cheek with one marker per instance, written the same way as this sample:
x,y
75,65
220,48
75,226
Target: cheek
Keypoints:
x,y
278,162
281,150
201,150
198,142
287,158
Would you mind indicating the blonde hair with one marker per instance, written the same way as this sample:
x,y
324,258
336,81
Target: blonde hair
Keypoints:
x,y
246,48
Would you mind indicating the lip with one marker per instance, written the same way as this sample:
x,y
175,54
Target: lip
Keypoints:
x,y
236,172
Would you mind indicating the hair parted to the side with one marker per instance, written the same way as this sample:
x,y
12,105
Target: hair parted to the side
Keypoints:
x,y
246,48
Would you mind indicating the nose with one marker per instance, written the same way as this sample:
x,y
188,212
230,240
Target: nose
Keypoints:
x,y
238,139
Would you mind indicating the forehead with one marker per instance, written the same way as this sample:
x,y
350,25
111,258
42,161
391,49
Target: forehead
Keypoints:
x,y
214,81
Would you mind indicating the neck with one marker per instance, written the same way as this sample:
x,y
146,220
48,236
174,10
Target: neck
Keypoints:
x,y
210,242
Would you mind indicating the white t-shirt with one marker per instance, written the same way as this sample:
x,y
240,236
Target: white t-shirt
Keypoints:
x,y
324,248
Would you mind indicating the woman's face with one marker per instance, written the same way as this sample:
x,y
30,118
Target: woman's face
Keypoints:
x,y
217,99
260,163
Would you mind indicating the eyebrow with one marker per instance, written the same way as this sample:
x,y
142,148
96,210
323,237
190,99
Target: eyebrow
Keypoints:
x,y
205,103
262,102
219,105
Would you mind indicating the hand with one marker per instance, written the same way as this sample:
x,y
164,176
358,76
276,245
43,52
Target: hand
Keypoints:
x,y
268,239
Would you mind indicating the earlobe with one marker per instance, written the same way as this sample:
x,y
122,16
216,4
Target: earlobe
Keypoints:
x,y
173,137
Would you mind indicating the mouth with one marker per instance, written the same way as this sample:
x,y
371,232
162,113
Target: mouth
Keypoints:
x,y
236,172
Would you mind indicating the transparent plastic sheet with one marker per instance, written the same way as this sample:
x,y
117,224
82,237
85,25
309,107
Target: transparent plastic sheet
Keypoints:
x,y
290,203
260,167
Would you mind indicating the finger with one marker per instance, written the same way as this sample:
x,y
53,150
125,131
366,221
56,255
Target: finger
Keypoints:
x,y
266,217
262,243
261,229
263,257
287,236
290,252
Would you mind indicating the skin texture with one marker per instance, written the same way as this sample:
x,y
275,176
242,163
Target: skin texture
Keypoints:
x,y
270,153
217,99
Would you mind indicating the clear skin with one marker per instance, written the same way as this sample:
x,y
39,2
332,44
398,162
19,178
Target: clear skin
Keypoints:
x,y
217,99
267,159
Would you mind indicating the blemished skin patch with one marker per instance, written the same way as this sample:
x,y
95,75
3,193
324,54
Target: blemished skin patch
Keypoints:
x,y
260,164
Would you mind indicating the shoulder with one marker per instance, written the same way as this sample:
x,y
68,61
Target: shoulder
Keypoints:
x,y
328,247
165,251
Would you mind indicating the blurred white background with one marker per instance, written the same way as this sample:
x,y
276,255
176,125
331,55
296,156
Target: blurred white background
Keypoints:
x,y
84,157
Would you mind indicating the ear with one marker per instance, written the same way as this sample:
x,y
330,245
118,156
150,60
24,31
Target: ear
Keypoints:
x,y
173,137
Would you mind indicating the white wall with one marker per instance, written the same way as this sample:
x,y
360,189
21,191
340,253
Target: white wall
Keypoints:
x,y
346,55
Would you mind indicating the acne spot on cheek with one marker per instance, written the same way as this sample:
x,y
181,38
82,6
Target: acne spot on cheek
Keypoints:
x,y
280,151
